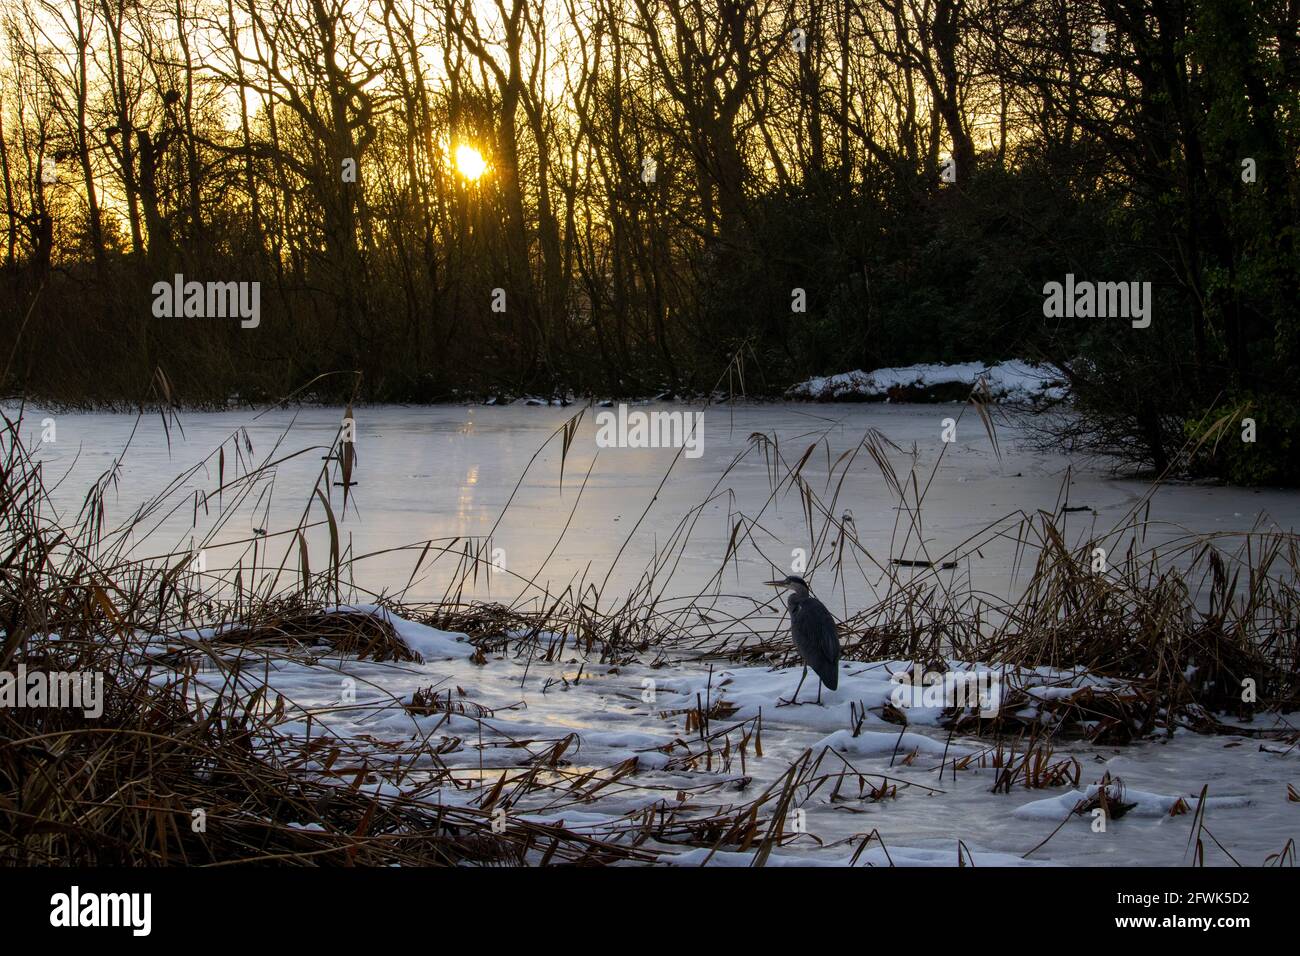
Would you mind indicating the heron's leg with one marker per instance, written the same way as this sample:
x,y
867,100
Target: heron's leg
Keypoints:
x,y
819,691
795,698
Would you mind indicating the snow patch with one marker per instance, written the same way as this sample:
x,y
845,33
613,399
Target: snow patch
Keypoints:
x,y
1147,804
1014,381
429,642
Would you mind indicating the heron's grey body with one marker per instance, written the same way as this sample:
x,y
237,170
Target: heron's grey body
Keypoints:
x,y
814,633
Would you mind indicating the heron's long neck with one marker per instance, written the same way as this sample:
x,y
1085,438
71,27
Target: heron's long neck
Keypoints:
x,y
796,598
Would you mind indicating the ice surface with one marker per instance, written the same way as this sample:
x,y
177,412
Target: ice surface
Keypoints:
x,y
444,473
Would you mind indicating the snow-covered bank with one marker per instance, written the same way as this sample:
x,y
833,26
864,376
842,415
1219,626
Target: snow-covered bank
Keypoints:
x,y
621,744
1013,382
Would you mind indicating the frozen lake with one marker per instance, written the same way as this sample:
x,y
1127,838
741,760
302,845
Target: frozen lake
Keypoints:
x,y
445,474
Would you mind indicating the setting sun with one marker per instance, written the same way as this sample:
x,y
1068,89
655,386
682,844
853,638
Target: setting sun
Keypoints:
x,y
470,162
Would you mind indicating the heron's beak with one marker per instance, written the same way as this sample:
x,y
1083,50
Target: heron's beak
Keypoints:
x,y
776,584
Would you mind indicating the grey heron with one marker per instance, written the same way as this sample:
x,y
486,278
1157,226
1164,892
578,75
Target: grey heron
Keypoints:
x,y
815,637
